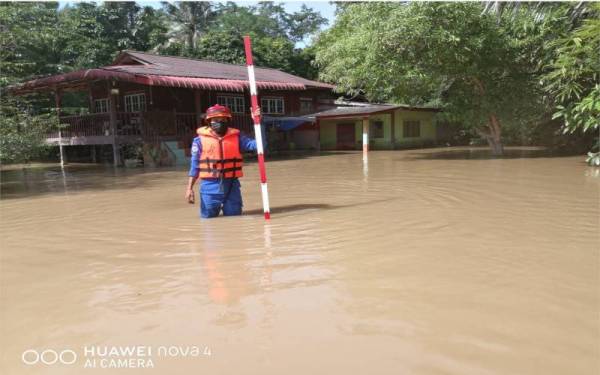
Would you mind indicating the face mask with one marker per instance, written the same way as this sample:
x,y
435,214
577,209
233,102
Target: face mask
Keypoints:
x,y
219,127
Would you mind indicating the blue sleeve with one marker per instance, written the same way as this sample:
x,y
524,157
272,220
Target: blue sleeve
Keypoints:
x,y
249,144
195,159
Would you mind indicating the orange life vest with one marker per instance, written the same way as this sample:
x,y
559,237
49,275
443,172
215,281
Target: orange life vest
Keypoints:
x,y
220,156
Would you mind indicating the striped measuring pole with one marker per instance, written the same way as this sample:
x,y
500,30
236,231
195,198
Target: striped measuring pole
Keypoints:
x,y
257,129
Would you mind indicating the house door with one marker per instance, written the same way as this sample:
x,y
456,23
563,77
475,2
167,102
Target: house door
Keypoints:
x,y
346,136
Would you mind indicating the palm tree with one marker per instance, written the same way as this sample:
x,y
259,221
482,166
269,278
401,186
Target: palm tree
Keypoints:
x,y
189,20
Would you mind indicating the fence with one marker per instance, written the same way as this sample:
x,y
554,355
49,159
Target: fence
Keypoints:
x,y
96,124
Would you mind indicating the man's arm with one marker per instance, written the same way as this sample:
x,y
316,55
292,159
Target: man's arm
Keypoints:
x,y
191,182
193,173
249,144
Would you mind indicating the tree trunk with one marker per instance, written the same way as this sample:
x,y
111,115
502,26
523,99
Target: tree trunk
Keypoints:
x,y
192,33
496,146
191,39
494,139
493,135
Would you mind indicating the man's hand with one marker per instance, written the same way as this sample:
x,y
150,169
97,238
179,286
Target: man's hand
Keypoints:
x,y
189,196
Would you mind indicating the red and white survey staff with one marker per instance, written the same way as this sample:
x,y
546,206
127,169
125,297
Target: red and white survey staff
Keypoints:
x,y
257,128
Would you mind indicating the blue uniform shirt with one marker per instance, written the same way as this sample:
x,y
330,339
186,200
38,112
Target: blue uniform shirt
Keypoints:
x,y
212,185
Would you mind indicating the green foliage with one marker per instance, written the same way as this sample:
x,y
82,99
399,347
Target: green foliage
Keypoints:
x,y
274,33
95,34
22,132
38,39
573,79
268,20
29,41
187,21
221,46
219,37
28,47
302,63
593,159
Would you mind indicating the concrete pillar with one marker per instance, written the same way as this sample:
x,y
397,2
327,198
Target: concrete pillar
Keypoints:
x,y
393,129
318,135
365,135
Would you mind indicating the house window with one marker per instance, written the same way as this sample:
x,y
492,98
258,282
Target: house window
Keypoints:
x,y
237,104
412,129
306,105
376,128
272,106
135,103
101,105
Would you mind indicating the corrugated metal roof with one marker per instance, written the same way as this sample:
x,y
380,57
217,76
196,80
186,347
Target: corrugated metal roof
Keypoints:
x,y
354,111
155,70
187,67
350,111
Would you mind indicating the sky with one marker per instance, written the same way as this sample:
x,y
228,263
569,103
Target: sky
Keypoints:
x,y
326,9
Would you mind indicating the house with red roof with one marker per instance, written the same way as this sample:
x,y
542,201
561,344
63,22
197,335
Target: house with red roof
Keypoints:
x,y
160,100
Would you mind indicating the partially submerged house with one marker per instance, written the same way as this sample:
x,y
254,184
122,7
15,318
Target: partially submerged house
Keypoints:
x,y
158,101
350,124
385,126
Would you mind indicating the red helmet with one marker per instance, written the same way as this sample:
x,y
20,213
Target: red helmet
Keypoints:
x,y
217,110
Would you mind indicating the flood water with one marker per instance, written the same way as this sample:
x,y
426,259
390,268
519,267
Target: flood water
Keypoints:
x,y
418,262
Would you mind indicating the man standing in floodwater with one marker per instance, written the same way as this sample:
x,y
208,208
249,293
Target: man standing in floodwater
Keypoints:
x,y
217,161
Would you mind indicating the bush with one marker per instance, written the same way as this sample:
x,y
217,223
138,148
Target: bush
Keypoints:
x,y
22,133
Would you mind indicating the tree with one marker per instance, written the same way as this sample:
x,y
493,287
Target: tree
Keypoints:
x,y
566,44
221,46
302,63
29,46
273,31
28,41
567,53
447,54
22,132
189,20
573,78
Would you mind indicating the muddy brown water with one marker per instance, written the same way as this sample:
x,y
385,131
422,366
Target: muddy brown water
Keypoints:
x,y
418,262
